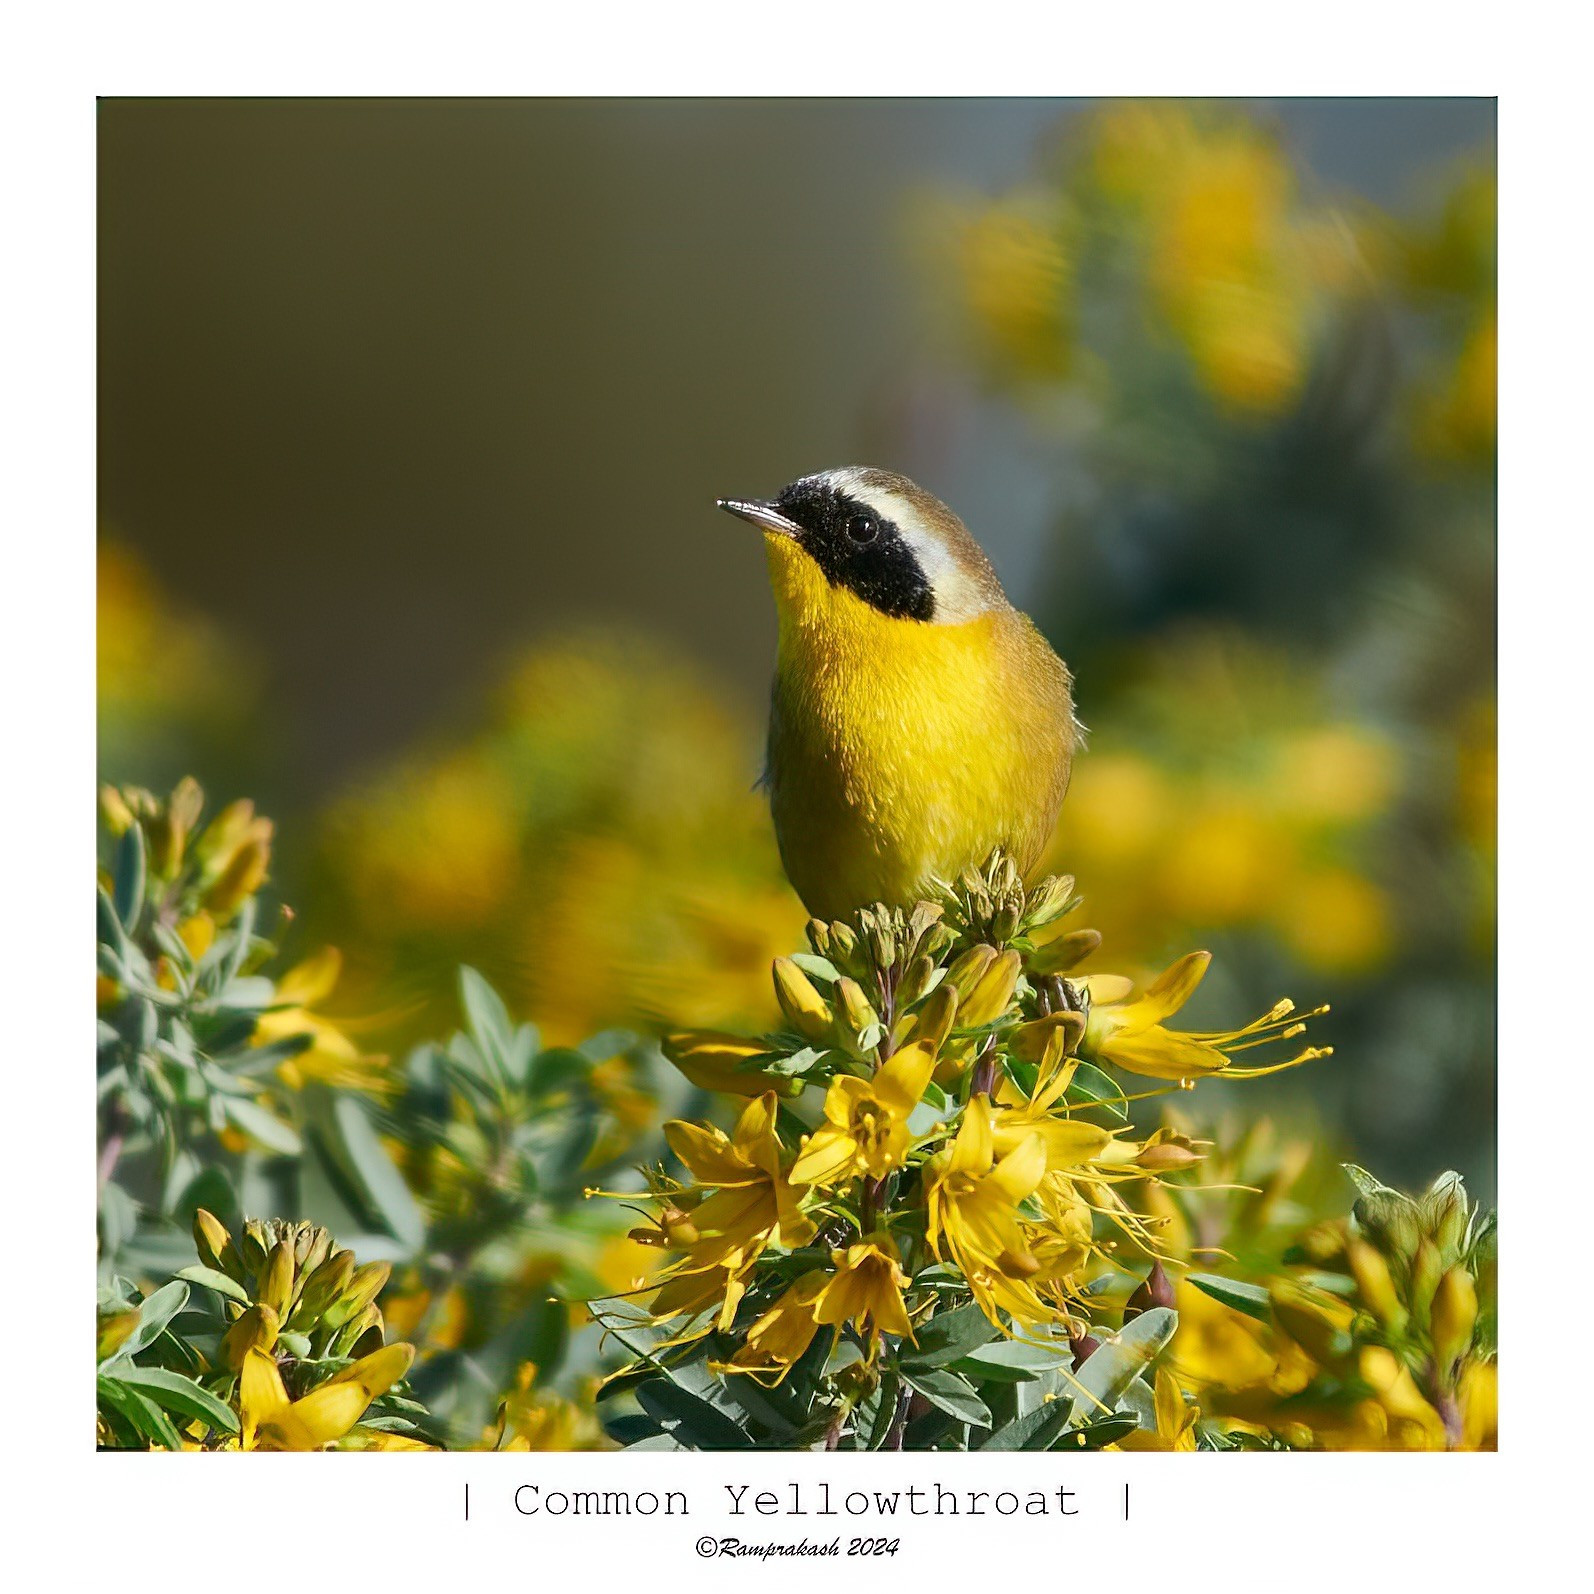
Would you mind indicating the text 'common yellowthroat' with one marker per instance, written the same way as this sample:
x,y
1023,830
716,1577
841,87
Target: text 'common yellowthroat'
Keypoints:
x,y
918,719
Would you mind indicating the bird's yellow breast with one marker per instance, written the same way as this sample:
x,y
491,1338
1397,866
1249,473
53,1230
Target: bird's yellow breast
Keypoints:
x,y
901,751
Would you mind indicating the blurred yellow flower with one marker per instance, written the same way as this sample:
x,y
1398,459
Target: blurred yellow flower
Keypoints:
x,y
331,1058
541,1419
1336,921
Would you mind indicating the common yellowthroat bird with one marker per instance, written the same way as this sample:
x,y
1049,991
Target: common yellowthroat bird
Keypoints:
x,y
917,718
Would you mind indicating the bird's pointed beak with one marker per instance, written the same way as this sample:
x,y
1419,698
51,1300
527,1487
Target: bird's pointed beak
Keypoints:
x,y
765,516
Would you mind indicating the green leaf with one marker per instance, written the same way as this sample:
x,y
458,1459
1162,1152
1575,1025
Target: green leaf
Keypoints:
x,y
154,1313
261,1124
1109,1369
382,1183
487,1018
684,1416
816,967
109,926
212,1280
559,1068
1036,1430
1251,1299
1096,1435
1369,1184
248,1061
1010,1361
949,1336
118,1218
150,1421
181,1395
951,1393
128,876
1090,1084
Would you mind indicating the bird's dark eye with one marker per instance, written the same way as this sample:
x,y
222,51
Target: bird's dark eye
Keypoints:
x,y
862,528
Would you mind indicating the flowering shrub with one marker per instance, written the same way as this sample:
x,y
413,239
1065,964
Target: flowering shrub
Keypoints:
x,y
911,1235
934,1217
226,1094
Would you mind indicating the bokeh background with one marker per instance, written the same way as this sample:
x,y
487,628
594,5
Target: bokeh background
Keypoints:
x,y
411,419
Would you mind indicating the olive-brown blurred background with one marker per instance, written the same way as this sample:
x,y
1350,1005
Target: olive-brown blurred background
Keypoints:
x,y
411,418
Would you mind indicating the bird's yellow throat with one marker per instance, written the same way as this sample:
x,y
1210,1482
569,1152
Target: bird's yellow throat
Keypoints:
x,y
901,749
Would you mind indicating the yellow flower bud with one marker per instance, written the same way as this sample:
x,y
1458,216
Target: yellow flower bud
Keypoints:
x,y
1064,953
1443,1213
992,992
112,1329
244,874
807,1010
256,1329
363,1287
325,1285
1454,1311
1314,1319
215,1247
719,1062
274,1284
254,1245
855,1006
118,816
936,1016
915,979
1425,1271
1167,1152
1030,1041
1374,1284
968,969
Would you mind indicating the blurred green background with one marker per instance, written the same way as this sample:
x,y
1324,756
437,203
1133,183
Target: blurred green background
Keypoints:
x,y
411,418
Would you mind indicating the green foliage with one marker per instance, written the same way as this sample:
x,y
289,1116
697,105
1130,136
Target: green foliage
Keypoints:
x,y
459,1177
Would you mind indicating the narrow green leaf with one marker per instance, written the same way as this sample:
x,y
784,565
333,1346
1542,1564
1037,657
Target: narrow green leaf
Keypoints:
x,y
1010,1361
1036,1430
181,1395
487,1018
685,1416
128,876
151,1422
1109,1369
951,1393
1090,1084
949,1336
263,1125
154,1313
380,1179
108,926
1251,1299
1096,1435
212,1280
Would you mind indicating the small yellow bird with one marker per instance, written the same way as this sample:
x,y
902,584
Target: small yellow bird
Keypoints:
x,y
917,719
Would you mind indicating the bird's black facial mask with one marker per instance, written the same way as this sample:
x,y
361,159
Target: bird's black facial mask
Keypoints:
x,y
858,548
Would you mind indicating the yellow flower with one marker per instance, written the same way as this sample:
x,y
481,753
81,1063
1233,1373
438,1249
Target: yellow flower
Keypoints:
x,y
1129,1033
867,1288
541,1419
270,1421
754,1201
866,1121
973,1213
331,1058
784,1332
1068,1142
1176,1419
